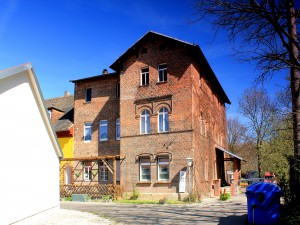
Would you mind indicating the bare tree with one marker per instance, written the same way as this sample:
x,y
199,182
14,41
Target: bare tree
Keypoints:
x,y
268,33
258,108
236,134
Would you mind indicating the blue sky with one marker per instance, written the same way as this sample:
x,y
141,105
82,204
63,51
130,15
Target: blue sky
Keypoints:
x,y
72,39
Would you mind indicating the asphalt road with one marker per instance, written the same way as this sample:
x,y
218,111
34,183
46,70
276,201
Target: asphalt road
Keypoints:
x,y
210,212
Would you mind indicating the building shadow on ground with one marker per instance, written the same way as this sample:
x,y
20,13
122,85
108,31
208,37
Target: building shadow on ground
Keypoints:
x,y
234,220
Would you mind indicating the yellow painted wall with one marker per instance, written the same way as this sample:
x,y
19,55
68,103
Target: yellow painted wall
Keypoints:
x,y
67,146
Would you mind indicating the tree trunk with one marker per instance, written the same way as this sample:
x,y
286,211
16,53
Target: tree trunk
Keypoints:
x,y
258,152
295,84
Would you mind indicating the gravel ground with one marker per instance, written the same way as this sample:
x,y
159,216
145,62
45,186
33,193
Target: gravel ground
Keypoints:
x,y
70,217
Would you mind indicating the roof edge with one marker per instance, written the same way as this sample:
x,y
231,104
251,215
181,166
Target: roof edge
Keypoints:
x,y
229,153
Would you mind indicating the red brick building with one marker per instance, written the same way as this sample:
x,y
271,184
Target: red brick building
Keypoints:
x,y
163,105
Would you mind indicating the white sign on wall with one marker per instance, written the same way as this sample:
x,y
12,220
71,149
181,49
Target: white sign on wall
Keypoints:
x,y
182,176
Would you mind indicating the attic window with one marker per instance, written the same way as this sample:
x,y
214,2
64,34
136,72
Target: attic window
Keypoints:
x,y
145,76
162,73
88,95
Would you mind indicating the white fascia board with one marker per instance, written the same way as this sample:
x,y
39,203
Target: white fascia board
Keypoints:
x,y
27,67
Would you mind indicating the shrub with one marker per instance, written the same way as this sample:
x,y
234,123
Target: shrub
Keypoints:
x,y
224,196
135,194
193,198
162,201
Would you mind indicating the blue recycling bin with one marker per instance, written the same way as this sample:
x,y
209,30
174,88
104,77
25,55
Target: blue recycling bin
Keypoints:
x,y
263,202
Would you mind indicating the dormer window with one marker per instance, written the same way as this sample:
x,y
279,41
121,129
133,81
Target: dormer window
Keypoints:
x,y
162,73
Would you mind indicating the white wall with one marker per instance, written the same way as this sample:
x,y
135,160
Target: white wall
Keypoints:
x,y
29,164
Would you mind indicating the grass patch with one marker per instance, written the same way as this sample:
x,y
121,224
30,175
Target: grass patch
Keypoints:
x,y
138,201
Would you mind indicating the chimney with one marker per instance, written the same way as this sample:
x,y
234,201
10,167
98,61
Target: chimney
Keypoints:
x,y
67,94
105,71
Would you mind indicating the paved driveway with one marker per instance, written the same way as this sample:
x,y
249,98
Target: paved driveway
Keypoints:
x,y
210,212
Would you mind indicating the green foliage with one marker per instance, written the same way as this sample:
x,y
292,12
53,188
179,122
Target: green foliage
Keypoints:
x,y
290,213
276,151
162,201
135,194
136,201
66,198
193,198
224,196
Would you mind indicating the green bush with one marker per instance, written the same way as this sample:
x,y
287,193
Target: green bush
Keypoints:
x,y
66,199
193,198
224,196
135,194
162,201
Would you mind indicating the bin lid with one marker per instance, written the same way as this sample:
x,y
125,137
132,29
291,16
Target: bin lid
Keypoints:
x,y
263,187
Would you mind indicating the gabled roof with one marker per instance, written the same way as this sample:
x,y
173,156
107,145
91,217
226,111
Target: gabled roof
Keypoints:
x,y
28,71
102,76
196,53
63,125
64,103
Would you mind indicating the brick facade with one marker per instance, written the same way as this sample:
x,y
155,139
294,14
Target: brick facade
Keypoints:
x,y
104,105
193,98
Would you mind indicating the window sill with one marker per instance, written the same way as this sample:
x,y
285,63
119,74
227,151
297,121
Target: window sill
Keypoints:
x,y
144,85
144,182
162,82
87,102
163,132
163,182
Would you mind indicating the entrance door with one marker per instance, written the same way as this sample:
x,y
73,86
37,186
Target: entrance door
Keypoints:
x,y
220,165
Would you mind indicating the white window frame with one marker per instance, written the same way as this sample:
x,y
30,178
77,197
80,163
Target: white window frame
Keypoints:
x,y
103,124
87,126
88,95
103,172
162,73
145,76
163,162
163,114
118,129
144,163
87,171
206,169
50,113
145,119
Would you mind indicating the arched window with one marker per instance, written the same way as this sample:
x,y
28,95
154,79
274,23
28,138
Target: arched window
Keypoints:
x,y
145,122
163,120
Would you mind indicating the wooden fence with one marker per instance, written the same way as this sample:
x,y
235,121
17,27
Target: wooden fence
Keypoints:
x,y
94,191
